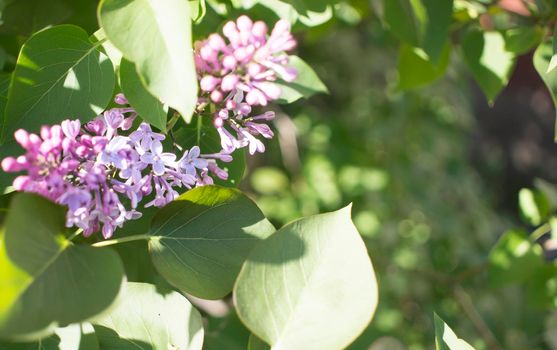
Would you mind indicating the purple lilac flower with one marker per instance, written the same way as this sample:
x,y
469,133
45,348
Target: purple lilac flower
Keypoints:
x,y
96,171
240,72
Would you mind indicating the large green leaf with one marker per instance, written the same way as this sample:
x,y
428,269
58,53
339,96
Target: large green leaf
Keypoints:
x,y
156,36
542,58
146,318
307,82
445,338
490,63
309,286
59,74
147,106
200,240
513,258
72,337
46,280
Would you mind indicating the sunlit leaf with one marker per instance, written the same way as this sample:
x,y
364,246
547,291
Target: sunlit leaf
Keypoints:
x,y
200,240
47,280
156,36
316,288
445,338
147,318
59,75
490,63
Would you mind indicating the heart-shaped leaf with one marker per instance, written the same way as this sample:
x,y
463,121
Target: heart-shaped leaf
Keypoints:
x,y
309,286
200,240
46,280
59,74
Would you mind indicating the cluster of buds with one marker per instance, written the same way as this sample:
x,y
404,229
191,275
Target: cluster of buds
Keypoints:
x,y
94,169
241,72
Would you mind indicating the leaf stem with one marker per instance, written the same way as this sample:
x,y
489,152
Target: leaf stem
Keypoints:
x,y
75,234
540,231
121,240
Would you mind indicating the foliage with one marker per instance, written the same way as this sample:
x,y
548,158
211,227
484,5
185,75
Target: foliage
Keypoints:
x,y
397,153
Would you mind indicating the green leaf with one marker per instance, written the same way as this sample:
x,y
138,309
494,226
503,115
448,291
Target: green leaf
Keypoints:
x,y
306,84
42,270
146,318
513,258
400,16
311,278
156,36
445,338
534,206
436,36
59,75
200,240
255,343
72,337
147,106
416,70
522,39
542,58
490,63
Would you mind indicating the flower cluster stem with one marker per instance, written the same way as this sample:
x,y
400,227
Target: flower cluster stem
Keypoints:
x,y
122,240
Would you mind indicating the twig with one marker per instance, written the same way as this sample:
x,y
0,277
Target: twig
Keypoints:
x,y
465,302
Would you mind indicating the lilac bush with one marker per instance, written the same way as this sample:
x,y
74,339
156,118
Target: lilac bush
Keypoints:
x,y
102,170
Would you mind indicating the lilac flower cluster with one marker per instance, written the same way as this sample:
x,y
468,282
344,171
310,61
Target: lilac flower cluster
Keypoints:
x,y
240,73
93,168
102,170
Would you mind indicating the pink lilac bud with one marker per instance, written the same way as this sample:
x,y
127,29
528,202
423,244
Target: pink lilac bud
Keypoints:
x,y
10,165
229,82
121,99
209,83
217,96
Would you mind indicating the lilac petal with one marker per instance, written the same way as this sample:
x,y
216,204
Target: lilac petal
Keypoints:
x,y
158,168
